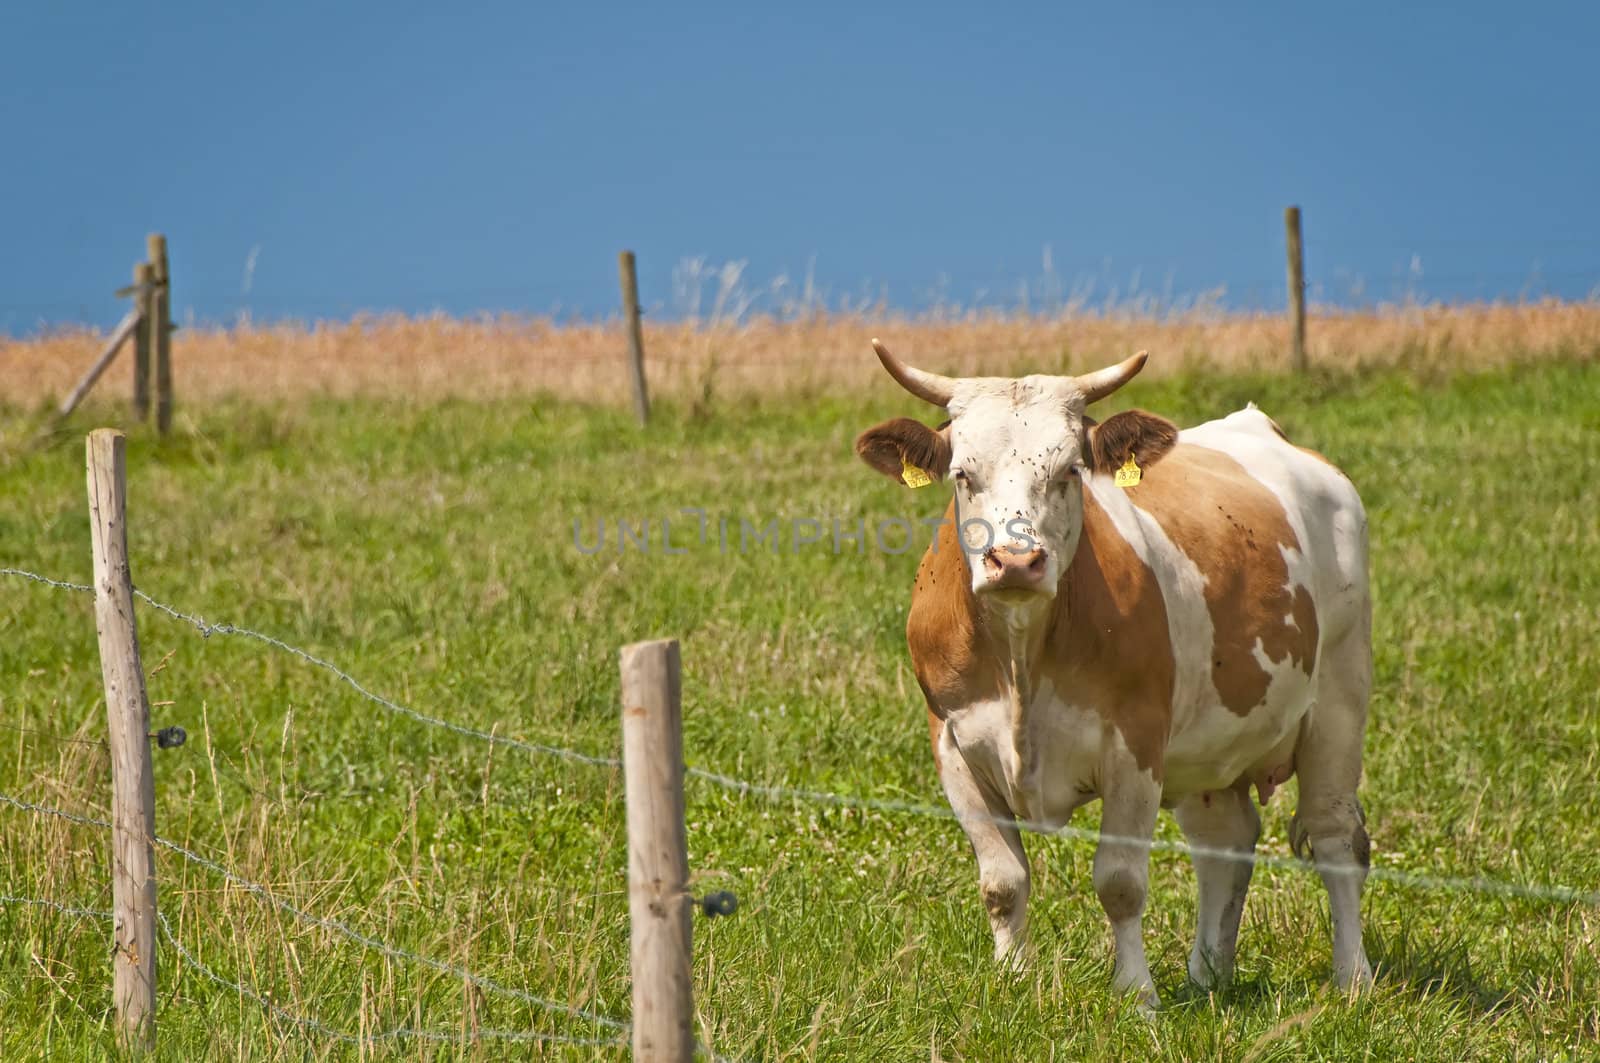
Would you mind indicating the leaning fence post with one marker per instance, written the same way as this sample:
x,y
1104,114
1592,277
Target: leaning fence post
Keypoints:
x,y
628,268
658,859
143,286
160,305
1297,287
133,793
119,335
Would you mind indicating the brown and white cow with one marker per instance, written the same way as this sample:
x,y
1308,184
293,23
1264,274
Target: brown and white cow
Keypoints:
x,y
1164,644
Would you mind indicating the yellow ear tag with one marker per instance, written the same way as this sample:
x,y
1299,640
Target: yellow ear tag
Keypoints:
x,y
1129,475
913,476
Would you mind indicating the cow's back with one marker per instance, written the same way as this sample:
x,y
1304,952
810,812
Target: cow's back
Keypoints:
x,y
1260,549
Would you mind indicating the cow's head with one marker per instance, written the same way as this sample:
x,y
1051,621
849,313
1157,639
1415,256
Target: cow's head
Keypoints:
x,y
1018,451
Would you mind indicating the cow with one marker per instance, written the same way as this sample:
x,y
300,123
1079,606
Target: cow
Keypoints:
x,y
1152,617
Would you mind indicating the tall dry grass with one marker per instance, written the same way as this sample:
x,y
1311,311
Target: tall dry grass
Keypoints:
x,y
439,356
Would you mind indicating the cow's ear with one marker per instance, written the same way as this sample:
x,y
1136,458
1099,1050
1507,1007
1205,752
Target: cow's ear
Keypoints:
x,y
892,445
1143,435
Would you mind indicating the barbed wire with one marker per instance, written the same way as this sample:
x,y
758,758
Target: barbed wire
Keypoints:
x,y
330,924
35,577
60,813
207,629
64,909
398,1033
393,951
1415,880
1559,894
314,1024
68,740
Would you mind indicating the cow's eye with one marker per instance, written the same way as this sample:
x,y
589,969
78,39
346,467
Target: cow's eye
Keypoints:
x,y
961,476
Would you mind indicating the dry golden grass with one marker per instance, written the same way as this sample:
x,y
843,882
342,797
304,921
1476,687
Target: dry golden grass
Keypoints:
x,y
439,356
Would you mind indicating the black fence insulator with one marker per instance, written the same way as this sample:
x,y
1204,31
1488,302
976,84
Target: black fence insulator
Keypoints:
x,y
719,903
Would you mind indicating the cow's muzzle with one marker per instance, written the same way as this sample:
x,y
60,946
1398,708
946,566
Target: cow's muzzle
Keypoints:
x,y
1006,569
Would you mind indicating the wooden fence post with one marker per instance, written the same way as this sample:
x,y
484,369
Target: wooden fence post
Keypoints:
x,y
133,793
630,308
143,284
1297,288
658,859
161,329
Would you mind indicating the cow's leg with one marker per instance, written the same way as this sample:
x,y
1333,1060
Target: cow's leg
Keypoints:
x,y
1329,817
1226,823
997,843
1122,867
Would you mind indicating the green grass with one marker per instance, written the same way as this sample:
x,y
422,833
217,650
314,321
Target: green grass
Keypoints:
x,y
428,549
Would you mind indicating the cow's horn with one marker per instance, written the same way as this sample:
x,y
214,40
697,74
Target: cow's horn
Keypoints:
x,y
1102,382
930,387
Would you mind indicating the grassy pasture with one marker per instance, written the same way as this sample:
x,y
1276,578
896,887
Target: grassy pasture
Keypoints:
x,y
428,548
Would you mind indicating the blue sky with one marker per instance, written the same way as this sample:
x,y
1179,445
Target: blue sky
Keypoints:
x,y
496,157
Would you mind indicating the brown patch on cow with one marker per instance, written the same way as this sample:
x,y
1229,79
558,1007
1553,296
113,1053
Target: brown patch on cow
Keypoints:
x,y
1145,436
1305,619
942,628
887,446
935,728
1110,648
1232,528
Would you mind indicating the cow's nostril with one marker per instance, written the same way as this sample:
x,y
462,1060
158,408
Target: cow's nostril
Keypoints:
x,y
1007,567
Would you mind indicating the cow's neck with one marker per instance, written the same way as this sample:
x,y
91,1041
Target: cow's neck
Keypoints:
x,y
1016,636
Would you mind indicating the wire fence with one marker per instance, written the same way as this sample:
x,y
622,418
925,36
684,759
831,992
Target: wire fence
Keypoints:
x,y
1556,894
335,926
399,1033
615,1030
306,1022
1485,885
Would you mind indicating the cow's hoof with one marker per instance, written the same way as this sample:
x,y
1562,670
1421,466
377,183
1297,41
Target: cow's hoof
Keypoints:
x,y
1142,993
1207,974
1011,958
1355,979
